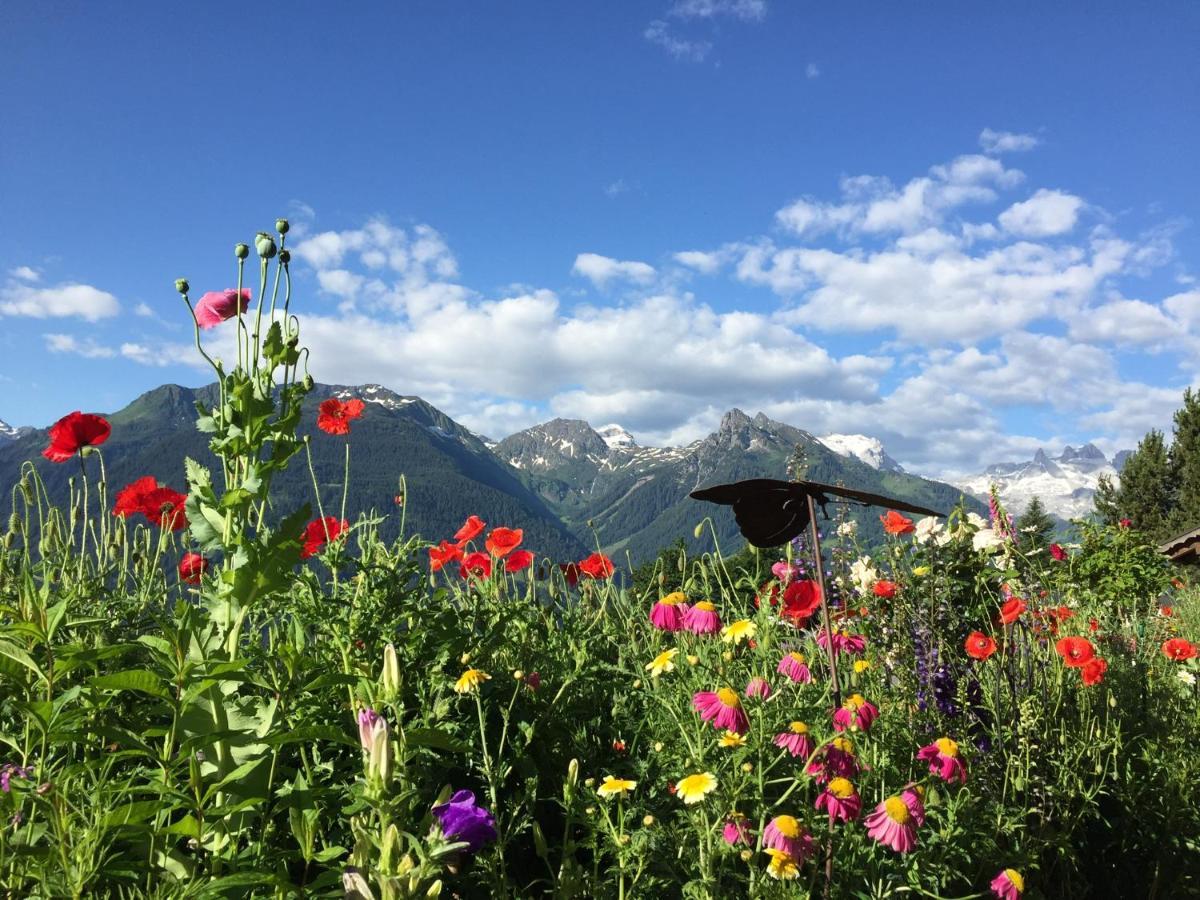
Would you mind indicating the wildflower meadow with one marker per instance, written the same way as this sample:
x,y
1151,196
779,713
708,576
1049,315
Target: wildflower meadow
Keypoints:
x,y
203,694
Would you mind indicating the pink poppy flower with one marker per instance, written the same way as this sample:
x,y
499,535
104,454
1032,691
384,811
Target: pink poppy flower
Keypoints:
x,y
842,641
796,740
724,708
737,830
787,834
840,800
758,687
216,306
795,666
894,825
855,714
944,760
702,618
668,613
784,571
1008,885
835,760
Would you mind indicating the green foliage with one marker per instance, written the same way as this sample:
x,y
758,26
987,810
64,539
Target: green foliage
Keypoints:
x,y
1035,525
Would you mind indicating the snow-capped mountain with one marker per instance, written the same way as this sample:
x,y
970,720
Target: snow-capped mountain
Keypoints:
x,y
859,446
10,432
1066,484
616,437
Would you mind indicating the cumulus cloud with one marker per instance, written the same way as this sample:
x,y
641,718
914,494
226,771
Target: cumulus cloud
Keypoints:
x,y
664,33
704,262
1006,141
600,270
85,347
1045,214
60,301
659,32
25,273
746,10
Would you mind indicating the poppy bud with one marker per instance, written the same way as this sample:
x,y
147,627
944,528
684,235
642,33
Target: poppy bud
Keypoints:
x,y
698,530
285,256
265,245
308,382
181,285
281,225
9,540
241,251
14,523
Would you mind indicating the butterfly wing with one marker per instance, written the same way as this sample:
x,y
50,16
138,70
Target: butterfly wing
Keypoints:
x,y
768,512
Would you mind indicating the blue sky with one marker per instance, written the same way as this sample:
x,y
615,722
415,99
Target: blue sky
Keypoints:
x,y
966,229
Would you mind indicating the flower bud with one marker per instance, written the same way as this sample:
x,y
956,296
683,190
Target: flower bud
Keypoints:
x,y
518,675
693,660
390,686
658,745
241,251
539,841
746,855
387,851
265,245
573,772
14,523
355,885
285,257
465,659
379,766
589,810
435,889
647,821
624,839
747,767
637,683
698,530
589,782
282,226
308,382
181,285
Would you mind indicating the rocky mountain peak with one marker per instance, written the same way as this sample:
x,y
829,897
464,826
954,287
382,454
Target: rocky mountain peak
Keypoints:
x,y
734,420
616,437
861,447
8,432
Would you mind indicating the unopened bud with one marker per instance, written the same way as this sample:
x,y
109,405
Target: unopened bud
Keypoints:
x,y
746,855
465,659
435,889
747,767
589,811
265,245
658,745
647,821
698,530
589,782
282,226
181,285
308,382
241,251
519,675
14,523
285,257
624,839
390,686
387,851
637,683
573,772
539,842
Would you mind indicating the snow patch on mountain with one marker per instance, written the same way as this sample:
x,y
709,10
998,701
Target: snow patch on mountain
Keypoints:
x,y
1066,484
616,437
860,446
9,432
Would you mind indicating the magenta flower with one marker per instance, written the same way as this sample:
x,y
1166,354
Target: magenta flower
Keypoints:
x,y
796,740
787,834
843,641
737,830
840,800
944,760
758,687
1059,554
669,612
914,798
893,825
784,571
217,306
723,708
702,618
1008,885
795,666
369,722
855,714
835,760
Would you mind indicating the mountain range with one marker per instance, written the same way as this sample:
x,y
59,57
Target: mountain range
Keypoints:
x,y
569,486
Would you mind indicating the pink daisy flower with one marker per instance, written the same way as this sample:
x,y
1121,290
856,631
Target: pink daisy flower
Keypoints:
x,y
944,760
758,687
787,834
796,740
855,714
914,798
893,825
1008,885
842,641
723,708
737,830
840,800
702,618
669,612
835,760
795,666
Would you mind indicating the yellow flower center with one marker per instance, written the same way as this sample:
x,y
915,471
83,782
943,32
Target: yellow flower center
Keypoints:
x,y
843,744
729,697
673,599
853,702
947,747
798,728
1015,877
798,657
705,606
897,810
787,826
841,788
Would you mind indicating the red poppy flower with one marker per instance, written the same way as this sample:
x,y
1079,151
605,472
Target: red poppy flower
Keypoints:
x,y
503,540
768,592
73,432
570,572
477,563
1093,671
470,530
619,745
443,553
884,589
518,560
1166,611
979,645
894,523
596,566
319,532
1093,624
1058,552
157,503
131,499
801,599
1076,652
1178,649
191,567
1011,611
333,416
1126,523
216,306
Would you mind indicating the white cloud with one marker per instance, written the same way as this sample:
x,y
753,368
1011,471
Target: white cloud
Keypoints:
x,y
60,301
1127,323
704,262
1045,214
659,32
602,269
163,355
1186,308
812,70
746,10
1006,141
87,347
616,188
144,310
25,273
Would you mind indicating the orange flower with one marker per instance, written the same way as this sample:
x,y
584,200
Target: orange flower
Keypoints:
x,y
503,540
884,589
979,645
1075,651
1093,671
1178,650
1011,611
894,523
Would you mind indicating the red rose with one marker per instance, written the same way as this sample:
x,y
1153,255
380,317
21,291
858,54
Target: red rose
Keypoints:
x,y
333,416
73,432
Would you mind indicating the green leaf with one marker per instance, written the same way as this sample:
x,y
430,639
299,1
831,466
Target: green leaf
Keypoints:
x,y
307,733
17,655
141,680
432,737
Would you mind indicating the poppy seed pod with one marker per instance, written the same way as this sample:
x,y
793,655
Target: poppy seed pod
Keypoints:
x,y
181,285
281,225
241,251
265,245
285,256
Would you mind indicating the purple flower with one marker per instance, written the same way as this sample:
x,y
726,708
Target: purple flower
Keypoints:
x,y
10,770
462,820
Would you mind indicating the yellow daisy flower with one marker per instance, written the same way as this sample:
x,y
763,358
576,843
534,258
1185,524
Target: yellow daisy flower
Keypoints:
x,y
732,739
695,788
614,786
664,662
470,680
782,865
736,632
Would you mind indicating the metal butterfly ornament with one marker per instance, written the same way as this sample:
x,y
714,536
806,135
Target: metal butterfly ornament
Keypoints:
x,y
771,512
